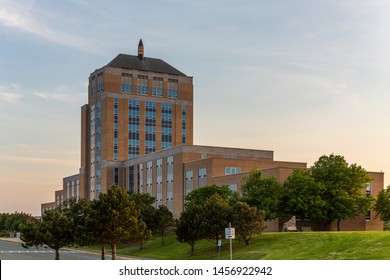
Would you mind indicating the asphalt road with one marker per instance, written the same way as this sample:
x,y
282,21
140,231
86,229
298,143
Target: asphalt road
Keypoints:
x,y
11,249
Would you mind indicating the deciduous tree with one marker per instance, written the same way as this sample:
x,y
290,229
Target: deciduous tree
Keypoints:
x,y
247,220
200,195
303,196
344,186
382,204
264,193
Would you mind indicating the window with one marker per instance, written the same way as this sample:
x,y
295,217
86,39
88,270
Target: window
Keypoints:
x,y
150,127
158,86
140,178
173,91
133,128
202,177
368,188
166,124
116,176
116,109
169,188
170,169
149,177
233,187
183,124
368,215
158,182
100,85
189,176
232,170
131,179
142,87
127,83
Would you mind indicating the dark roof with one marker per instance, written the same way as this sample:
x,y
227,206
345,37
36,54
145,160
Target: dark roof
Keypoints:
x,y
145,64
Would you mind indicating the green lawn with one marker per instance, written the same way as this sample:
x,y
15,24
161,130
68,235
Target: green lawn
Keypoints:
x,y
277,246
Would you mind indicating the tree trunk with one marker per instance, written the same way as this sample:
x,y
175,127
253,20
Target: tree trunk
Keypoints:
x,y
103,253
113,249
57,254
162,239
299,224
192,249
338,224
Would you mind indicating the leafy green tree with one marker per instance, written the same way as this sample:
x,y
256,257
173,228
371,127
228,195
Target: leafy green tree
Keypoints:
x,y
264,193
119,219
247,220
163,222
200,195
55,230
78,211
94,227
30,234
344,188
215,217
188,226
303,196
144,204
12,222
382,204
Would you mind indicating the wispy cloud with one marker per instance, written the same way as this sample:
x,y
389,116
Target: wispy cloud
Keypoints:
x,y
62,93
9,94
28,18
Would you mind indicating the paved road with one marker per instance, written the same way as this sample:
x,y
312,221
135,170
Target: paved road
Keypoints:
x,y
11,249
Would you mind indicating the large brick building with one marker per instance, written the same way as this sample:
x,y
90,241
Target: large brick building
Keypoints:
x,y
137,132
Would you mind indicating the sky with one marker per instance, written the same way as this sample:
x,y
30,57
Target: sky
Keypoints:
x,y
302,78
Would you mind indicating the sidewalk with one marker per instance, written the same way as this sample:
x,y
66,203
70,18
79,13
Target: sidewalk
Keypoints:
x,y
11,239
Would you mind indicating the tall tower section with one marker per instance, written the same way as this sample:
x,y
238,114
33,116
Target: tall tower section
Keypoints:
x,y
136,105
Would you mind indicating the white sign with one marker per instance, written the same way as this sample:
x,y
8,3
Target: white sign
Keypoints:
x,y
230,233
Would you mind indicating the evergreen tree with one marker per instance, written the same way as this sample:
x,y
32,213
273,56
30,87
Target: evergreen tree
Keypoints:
x,y
188,226
163,222
119,220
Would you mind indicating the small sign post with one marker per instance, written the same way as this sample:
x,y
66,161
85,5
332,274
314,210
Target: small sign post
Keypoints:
x,y
219,247
230,233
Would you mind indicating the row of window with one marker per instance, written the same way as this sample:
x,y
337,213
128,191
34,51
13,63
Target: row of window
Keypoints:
x,y
115,154
183,124
150,126
143,85
138,184
144,90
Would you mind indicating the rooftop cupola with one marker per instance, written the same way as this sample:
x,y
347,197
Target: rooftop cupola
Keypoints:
x,y
140,49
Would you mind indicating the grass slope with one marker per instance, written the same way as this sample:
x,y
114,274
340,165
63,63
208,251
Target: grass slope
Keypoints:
x,y
277,246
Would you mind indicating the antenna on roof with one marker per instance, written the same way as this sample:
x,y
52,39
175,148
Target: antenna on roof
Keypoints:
x,y
140,49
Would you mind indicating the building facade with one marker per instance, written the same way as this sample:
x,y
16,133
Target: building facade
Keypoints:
x,y
136,106
137,132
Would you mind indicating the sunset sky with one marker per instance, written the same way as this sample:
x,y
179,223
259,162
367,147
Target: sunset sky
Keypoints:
x,y
302,78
